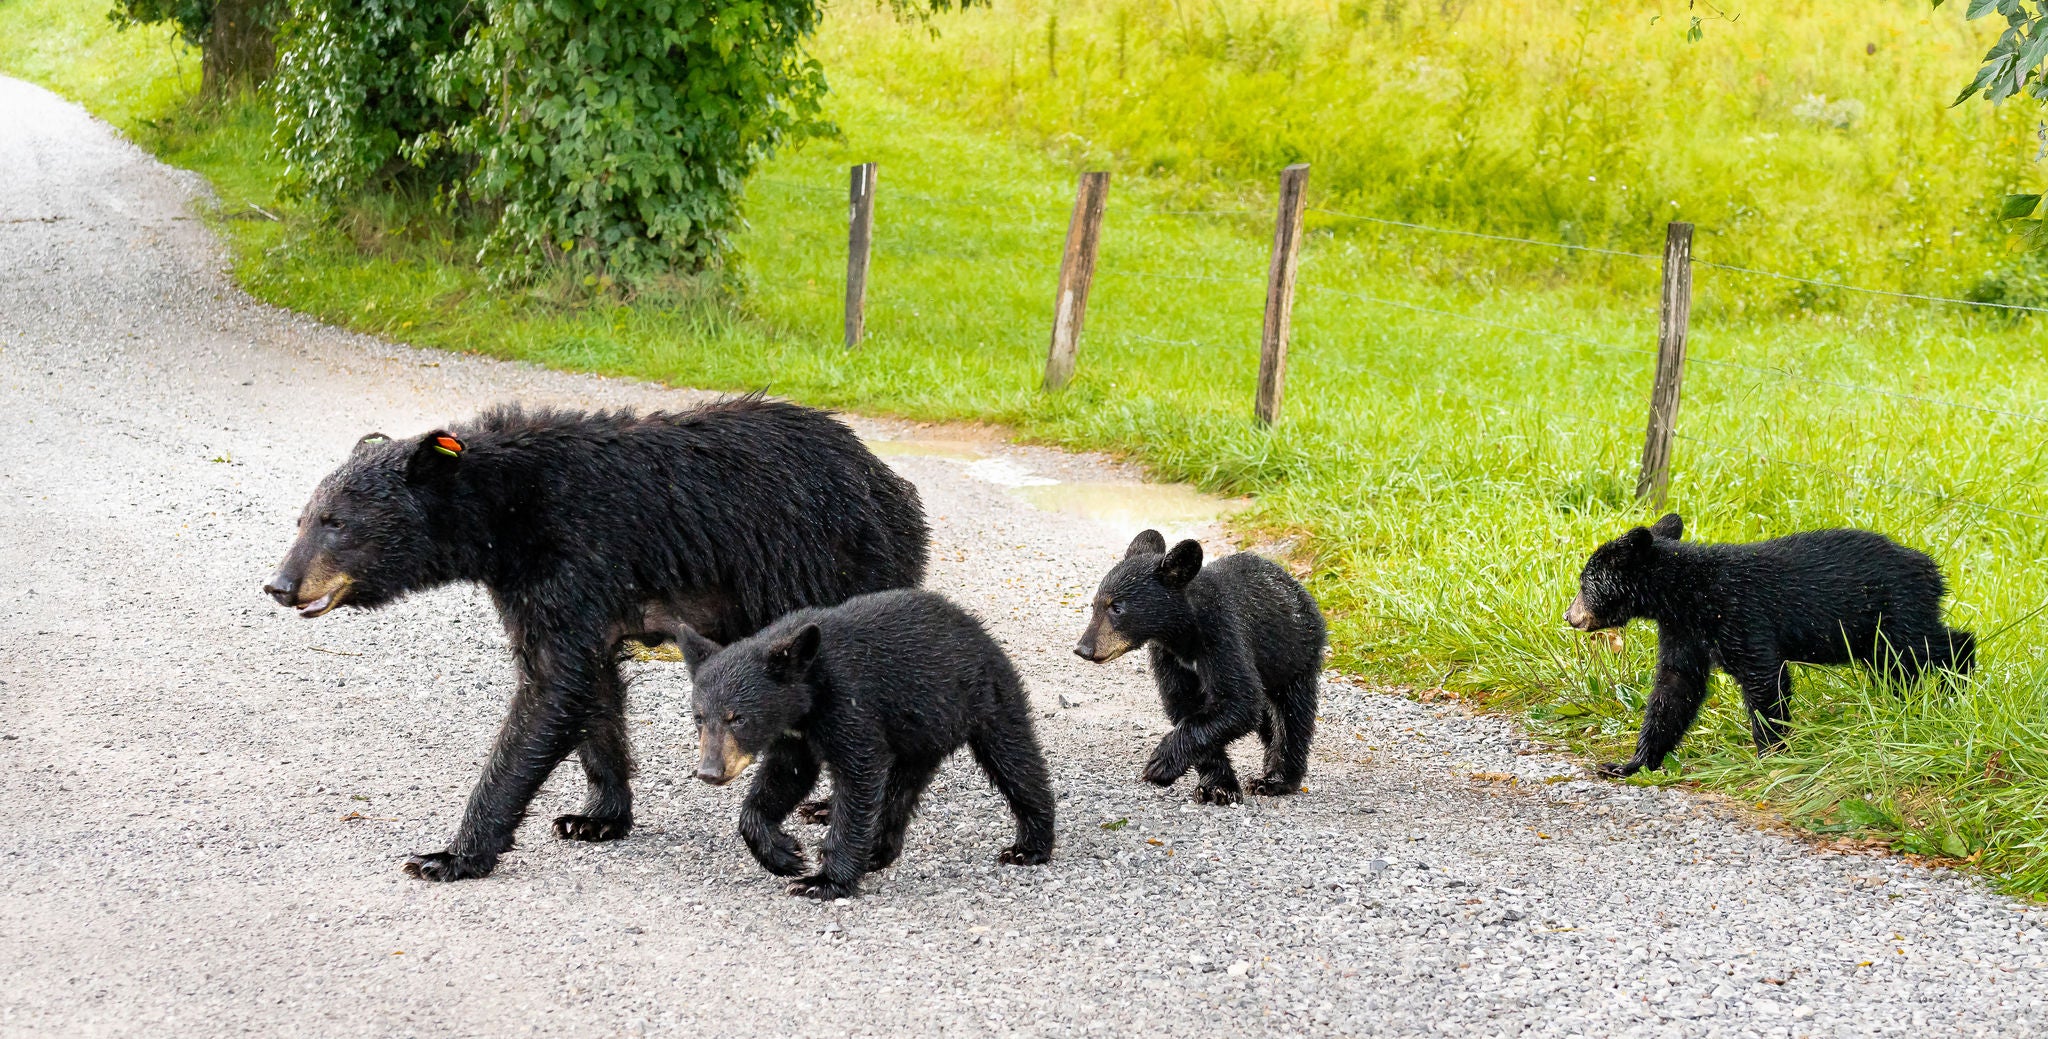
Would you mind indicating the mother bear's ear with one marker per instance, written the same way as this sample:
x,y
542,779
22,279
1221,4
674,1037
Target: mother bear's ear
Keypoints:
x,y
434,456
1670,528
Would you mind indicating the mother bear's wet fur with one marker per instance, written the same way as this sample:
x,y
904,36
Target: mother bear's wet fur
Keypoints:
x,y
589,528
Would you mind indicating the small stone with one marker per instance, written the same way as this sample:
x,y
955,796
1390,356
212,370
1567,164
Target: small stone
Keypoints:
x,y
1240,969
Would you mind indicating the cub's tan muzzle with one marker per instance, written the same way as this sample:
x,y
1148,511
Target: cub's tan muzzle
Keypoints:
x,y
1101,643
719,759
1579,617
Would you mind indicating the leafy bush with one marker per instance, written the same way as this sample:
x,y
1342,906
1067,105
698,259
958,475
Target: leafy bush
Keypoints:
x,y
611,138
353,111
617,136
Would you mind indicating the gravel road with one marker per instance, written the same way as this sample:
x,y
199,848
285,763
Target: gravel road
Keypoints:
x,y
204,799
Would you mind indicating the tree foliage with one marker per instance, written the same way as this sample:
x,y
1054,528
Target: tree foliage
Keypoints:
x,y
2013,68
619,135
233,36
613,137
353,100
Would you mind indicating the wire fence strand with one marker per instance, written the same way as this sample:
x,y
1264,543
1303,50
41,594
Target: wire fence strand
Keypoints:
x,y
1489,237
1697,262
1864,480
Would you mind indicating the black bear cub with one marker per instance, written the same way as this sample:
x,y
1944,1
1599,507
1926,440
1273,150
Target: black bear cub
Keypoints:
x,y
880,690
1821,597
1237,646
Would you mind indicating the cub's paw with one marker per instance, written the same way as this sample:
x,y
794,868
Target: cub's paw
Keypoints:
x,y
777,852
884,855
820,888
1618,769
816,813
443,865
1268,786
1163,769
1219,794
591,828
1018,855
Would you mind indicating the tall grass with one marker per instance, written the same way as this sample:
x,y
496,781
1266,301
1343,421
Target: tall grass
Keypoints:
x,y
1805,135
1445,476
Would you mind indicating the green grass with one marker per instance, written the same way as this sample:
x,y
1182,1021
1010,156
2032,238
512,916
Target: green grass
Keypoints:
x,y
1581,121
1447,477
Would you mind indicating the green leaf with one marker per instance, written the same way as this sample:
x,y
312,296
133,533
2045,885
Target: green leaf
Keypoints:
x,y
1862,813
2017,206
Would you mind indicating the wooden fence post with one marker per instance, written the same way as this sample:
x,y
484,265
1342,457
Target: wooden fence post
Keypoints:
x,y
860,236
1671,325
1077,273
1280,294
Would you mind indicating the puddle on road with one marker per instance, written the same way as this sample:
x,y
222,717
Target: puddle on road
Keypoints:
x,y
1120,502
962,450
1131,504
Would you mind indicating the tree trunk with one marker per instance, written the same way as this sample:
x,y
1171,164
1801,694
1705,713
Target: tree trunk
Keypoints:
x,y
239,50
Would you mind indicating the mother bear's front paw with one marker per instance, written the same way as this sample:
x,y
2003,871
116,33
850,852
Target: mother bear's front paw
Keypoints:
x,y
1618,769
444,865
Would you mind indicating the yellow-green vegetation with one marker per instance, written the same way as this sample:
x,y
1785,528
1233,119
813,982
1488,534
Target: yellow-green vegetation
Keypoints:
x,y
1446,476
1804,135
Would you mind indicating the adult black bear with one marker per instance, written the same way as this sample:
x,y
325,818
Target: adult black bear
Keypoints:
x,y
1236,646
591,528
1822,597
880,689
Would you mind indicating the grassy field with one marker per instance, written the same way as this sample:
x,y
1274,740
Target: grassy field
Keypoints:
x,y
1583,122
1463,417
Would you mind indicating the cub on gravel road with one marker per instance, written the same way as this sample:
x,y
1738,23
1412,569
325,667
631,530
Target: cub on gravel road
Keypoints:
x,y
880,689
1236,646
1822,597
589,528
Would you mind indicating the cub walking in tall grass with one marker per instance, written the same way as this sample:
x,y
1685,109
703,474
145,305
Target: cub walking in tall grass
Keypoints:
x,y
1821,597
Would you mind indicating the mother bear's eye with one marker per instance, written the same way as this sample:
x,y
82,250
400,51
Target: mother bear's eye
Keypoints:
x,y
1116,608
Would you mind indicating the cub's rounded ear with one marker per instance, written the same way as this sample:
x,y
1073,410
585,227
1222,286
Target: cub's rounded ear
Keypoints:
x,y
1670,528
370,439
1147,543
1181,565
696,648
1637,541
434,455
792,656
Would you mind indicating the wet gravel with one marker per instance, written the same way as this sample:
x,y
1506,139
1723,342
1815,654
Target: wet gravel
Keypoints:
x,y
204,800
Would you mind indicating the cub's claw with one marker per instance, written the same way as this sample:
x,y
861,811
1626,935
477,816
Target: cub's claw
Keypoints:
x,y
1618,769
445,866
1267,786
1219,794
816,813
1018,855
820,888
591,828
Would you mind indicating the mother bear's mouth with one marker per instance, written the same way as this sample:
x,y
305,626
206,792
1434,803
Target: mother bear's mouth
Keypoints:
x,y
328,600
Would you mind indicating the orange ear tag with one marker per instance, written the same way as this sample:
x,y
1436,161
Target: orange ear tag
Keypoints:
x,y
448,446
